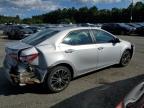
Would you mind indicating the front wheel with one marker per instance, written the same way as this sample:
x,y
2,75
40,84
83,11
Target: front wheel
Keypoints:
x,y
58,79
125,59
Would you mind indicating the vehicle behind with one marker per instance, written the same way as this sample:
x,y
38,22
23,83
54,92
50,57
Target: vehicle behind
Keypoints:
x,y
135,99
118,28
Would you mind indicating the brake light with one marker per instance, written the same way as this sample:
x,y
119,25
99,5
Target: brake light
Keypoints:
x,y
28,58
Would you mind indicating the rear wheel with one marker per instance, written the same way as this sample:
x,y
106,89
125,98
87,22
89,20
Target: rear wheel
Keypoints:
x,y
58,78
125,59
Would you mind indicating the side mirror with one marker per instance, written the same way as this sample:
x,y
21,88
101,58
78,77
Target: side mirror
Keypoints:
x,y
116,40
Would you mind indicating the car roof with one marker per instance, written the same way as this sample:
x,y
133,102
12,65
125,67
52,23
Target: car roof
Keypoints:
x,y
71,28
63,31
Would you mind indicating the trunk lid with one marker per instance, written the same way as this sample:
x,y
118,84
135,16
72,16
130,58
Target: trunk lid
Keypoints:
x,y
12,51
14,48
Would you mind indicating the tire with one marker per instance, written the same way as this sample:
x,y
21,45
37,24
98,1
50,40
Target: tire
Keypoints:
x,y
58,79
125,59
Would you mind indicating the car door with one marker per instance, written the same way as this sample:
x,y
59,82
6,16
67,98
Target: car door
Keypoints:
x,y
108,52
79,49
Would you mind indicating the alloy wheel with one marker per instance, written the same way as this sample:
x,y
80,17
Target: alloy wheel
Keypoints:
x,y
126,58
60,79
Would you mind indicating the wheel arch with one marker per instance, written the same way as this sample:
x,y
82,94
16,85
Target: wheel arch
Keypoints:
x,y
131,49
66,64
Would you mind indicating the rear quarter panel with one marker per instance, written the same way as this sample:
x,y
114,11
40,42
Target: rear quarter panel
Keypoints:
x,y
51,56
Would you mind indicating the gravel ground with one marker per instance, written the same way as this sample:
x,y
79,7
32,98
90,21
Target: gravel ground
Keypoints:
x,y
100,89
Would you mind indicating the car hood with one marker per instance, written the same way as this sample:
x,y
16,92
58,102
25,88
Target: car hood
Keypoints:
x,y
135,94
15,47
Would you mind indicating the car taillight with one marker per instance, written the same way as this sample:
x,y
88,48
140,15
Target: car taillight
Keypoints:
x,y
28,58
120,105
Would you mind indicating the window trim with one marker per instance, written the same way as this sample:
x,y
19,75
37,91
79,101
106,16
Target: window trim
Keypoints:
x,y
101,31
89,31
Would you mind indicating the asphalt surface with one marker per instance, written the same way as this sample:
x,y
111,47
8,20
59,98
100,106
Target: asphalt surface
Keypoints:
x,y
100,89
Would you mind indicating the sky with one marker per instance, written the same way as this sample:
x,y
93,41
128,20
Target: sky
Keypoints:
x,y
28,8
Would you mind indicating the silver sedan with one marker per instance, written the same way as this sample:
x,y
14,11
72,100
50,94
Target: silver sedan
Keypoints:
x,y
55,56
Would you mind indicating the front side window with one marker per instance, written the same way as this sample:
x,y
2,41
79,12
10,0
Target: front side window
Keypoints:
x,y
79,37
102,37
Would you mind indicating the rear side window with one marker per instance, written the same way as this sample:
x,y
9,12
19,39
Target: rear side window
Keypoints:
x,y
79,37
102,37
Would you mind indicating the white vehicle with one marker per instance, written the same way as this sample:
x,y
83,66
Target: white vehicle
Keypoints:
x,y
57,55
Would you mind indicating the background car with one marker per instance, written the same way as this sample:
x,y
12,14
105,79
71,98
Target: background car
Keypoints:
x,y
7,29
140,31
35,28
142,23
118,28
25,32
13,32
139,28
21,31
135,99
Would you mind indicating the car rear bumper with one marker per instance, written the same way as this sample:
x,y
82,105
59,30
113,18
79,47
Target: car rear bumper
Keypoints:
x,y
22,74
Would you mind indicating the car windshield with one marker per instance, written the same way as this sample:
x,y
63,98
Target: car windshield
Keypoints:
x,y
39,37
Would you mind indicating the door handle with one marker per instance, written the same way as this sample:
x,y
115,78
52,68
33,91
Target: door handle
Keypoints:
x,y
69,51
100,48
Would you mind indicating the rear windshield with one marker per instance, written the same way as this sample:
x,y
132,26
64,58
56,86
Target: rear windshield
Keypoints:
x,y
39,37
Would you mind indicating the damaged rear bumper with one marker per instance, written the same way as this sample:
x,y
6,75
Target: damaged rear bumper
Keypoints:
x,y
23,74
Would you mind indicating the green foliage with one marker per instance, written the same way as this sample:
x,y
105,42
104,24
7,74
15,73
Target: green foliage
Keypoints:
x,y
9,19
83,15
